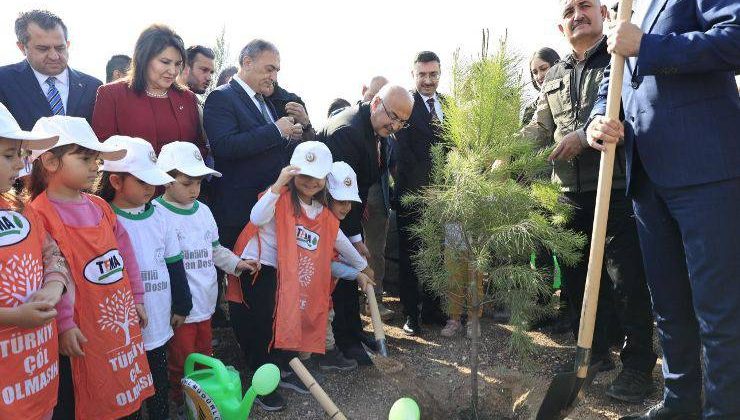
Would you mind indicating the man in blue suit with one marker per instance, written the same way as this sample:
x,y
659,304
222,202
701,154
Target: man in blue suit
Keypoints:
x,y
681,109
43,85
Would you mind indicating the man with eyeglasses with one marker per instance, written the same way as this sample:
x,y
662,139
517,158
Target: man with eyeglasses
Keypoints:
x,y
353,136
414,166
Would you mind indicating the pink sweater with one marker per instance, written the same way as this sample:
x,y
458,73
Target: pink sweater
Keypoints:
x,y
85,213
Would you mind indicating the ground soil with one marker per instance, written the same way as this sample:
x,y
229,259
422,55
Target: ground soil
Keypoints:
x,y
436,374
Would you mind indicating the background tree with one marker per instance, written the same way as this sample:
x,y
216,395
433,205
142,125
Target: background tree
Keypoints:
x,y
488,197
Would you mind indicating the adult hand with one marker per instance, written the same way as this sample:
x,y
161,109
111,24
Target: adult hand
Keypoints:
x,y
569,147
604,129
297,132
285,125
33,314
623,38
71,341
50,293
298,112
176,321
143,317
362,249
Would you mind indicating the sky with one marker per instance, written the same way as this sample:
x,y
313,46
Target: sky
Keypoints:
x,y
328,48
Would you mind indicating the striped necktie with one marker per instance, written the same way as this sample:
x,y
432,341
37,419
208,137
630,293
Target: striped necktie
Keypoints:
x,y
263,108
432,109
54,98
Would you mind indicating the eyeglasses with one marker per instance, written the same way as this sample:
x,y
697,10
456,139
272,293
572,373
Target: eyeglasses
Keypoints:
x,y
394,118
434,76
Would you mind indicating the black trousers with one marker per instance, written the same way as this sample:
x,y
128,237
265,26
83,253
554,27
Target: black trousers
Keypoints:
x,y
347,324
624,311
253,321
158,405
409,291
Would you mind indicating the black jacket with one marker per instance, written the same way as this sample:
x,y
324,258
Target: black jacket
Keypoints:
x,y
279,98
413,147
351,139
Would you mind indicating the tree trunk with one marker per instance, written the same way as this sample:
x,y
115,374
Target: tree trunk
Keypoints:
x,y
475,329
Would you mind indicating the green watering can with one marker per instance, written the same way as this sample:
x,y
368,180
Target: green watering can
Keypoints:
x,y
405,409
215,393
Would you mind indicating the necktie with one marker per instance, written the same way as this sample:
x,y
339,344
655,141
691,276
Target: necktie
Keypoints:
x,y
263,108
54,98
432,110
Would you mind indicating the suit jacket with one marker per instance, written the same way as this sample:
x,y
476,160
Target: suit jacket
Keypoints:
x,y
21,94
120,110
247,150
680,101
351,139
413,147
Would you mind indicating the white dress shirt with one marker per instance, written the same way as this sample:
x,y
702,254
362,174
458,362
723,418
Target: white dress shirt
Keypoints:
x,y
437,105
61,83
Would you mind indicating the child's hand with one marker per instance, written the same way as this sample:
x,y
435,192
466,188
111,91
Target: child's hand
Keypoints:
x,y
71,341
176,321
252,266
143,317
369,272
50,293
285,176
363,280
34,314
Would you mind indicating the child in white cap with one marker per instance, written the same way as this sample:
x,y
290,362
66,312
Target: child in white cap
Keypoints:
x,y
197,233
34,276
284,308
99,319
128,185
342,187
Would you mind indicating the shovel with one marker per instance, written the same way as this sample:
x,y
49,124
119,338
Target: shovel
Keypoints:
x,y
318,393
384,363
566,389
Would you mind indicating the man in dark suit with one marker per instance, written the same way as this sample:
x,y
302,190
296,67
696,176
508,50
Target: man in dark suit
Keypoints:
x,y
414,166
354,136
681,109
43,85
249,142
288,104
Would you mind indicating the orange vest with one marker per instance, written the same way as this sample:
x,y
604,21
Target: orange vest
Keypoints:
x,y
113,377
29,359
305,249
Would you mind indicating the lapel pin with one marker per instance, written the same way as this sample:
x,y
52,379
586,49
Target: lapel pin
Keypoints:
x,y
181,107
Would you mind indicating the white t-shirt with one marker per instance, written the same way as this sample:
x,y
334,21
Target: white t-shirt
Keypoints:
x,y
197,233
155,244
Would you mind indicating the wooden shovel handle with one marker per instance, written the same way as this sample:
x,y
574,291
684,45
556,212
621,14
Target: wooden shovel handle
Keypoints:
x,y
318,393
375,313
603,194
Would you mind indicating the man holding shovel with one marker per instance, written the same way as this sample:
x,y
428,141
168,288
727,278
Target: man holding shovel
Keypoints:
x,y
567,95
681,110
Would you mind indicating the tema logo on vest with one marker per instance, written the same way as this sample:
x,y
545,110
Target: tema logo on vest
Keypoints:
x,y
306,239
14,227
105,269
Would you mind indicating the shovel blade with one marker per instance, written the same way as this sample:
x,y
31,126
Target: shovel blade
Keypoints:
x,y
564,393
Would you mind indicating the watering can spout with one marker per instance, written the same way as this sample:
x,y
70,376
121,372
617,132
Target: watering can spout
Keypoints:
x,y
264,381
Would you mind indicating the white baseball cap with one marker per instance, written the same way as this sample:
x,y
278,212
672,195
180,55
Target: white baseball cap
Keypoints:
x,y
342,183
185,157
140,160
9,129
313,158
74,130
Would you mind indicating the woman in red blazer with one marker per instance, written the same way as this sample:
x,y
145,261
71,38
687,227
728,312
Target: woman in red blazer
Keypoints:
x,y
149,103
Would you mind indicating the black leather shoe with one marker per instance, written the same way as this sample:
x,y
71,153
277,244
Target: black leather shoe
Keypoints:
x,y
661,412
411,327
368,340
